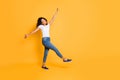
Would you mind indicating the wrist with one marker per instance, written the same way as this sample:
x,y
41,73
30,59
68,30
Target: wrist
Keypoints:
x,y
28,34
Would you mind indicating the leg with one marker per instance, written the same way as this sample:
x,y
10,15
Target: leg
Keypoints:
x,y
51,46
45,55
46,42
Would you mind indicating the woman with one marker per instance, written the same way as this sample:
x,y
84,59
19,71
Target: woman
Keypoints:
x,y
44,26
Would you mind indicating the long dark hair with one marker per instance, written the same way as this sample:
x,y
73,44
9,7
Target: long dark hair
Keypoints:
x,y
39,22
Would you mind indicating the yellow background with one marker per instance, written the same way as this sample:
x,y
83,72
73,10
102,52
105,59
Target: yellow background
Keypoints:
x,y
88,31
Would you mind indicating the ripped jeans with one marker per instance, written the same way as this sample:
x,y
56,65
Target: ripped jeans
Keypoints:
x,y
48,45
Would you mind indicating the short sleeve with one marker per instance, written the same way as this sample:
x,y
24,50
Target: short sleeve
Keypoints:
x,y
40,26
48,24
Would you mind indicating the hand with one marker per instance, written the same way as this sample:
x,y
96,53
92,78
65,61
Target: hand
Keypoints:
x,y
26,35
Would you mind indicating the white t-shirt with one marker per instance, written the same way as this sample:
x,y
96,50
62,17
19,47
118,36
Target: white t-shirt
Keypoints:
x,y
45,30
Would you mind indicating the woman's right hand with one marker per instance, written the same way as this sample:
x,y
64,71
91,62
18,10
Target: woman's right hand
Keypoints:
x,y
26,35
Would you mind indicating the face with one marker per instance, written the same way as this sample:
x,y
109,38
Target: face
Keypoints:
x,y
44,22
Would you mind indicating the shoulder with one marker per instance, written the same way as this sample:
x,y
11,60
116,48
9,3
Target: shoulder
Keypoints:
x,y
48,24
40,26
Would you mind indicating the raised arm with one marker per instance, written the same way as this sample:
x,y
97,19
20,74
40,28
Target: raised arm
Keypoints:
x,y
34,31
54,16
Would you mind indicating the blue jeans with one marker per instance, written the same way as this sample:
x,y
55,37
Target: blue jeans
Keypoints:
x,y
48,45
